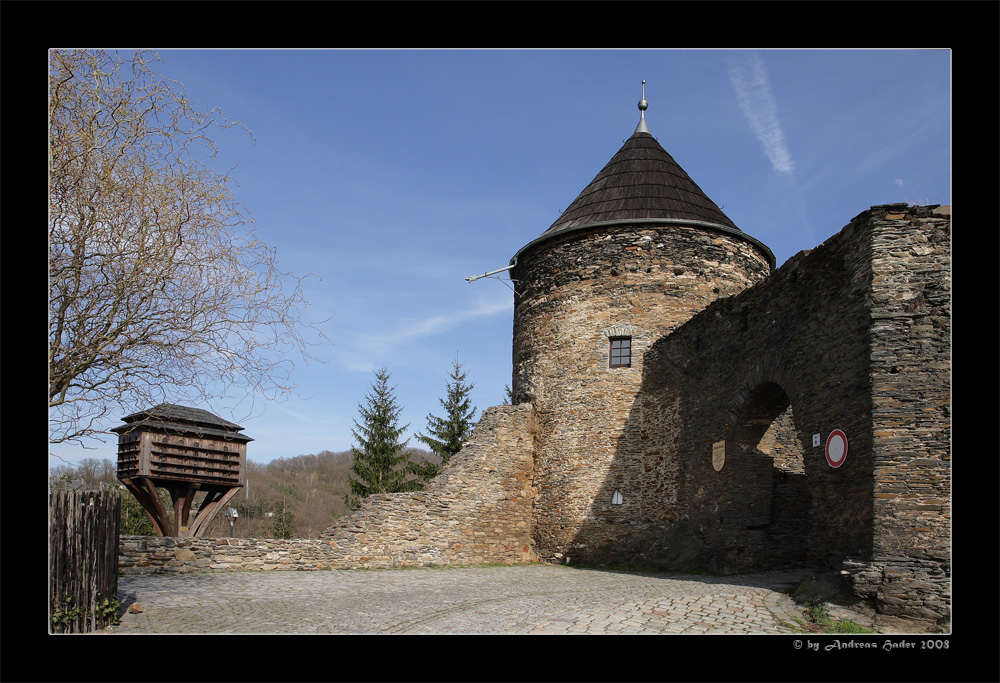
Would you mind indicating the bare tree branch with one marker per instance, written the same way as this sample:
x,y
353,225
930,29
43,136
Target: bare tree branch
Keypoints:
x,y
158,286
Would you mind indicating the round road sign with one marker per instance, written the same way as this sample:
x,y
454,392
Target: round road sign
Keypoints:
x,y
836,448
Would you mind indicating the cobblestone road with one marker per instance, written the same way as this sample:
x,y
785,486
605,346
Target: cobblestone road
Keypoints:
x,y
542,599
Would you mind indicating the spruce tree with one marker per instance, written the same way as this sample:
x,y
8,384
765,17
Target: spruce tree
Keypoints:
x,y
447,434
283,522
379,465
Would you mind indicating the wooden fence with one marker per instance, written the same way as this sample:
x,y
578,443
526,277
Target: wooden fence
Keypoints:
x,y
83,560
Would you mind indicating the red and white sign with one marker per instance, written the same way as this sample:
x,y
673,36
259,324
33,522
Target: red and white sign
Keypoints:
x,y
836,448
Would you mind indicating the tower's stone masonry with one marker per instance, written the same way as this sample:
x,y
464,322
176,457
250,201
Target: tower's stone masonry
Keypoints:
x,y
574,292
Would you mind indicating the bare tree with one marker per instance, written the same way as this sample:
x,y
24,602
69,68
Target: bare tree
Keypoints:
x,y
158,287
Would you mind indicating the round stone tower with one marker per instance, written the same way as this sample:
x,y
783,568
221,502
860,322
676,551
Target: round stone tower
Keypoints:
x,y
639,252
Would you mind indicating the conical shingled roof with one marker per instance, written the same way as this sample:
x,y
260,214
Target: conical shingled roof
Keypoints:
x,y
642,182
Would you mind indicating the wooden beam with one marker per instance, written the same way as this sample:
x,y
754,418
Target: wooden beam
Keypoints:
x,y
206,513
182,496
145,492
140,495
169,529
210,508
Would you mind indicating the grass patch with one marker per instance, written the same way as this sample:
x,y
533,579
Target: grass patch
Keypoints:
x,y
819,616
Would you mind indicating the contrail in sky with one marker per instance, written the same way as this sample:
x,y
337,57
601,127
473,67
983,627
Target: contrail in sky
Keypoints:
x,y
753,92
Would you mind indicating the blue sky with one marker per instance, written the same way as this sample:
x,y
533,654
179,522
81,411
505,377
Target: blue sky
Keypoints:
x,y
395,174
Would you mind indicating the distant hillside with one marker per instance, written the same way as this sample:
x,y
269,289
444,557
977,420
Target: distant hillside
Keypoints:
x,y
297,497
310,487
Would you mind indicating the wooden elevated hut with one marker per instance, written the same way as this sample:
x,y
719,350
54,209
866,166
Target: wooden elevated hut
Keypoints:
x,y
186,451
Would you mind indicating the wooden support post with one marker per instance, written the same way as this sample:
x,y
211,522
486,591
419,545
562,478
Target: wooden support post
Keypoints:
x,y
182,499
145,492
214,502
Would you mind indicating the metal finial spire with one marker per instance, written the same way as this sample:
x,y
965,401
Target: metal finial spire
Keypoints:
x,y
643,105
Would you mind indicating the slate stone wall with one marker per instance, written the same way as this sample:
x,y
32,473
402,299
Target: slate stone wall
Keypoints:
x,y
156,554
793,347
909,569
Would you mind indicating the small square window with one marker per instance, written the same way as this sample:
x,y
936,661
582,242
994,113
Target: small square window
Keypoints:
x,y
621,352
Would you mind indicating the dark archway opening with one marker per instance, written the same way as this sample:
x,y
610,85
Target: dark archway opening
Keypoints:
x,y
767,429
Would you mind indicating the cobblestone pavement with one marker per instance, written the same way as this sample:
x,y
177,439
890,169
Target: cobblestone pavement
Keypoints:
x,y
542,599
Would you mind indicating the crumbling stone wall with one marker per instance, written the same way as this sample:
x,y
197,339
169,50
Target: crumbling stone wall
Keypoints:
x,y
476,511
157,554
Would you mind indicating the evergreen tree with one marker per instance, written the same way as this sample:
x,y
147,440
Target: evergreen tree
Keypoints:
x,y
447,434
379,465
283,523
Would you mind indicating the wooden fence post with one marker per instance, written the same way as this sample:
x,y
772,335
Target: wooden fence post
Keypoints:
x,y
83,559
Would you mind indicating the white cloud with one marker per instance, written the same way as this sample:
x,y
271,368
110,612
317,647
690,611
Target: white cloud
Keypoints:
x,y
379,342
753,91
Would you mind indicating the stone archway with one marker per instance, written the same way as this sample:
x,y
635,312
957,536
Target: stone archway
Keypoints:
x,y
766,428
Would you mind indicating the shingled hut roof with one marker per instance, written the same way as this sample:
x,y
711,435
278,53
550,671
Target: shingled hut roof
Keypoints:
x,y
177,418
643,184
